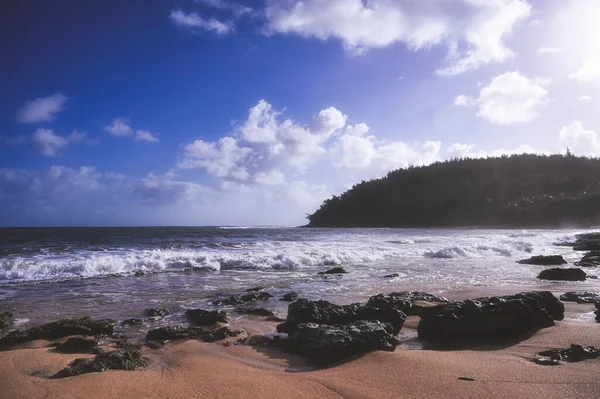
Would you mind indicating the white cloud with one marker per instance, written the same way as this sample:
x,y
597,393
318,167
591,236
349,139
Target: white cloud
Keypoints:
x,y
120,128
584,98
76,136
473,30
144,135
579,140
510,98
463,101
43,109
588,72
549,50
195,21
47,142
458,150
236,8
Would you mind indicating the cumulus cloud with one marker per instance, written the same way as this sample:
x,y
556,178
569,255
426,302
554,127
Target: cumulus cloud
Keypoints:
x,y
144,135
588,72
47,142
194,21
236,8
579,140
121,127
43,109
459,150
509,98
474,31
463,101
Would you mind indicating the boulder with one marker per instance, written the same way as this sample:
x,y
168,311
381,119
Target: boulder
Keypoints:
x,y
178,332
575,353
580,297
289,297
587,242
591,259
413,303
157,312
121,359
132,322
201,317
323,312
79,345
256,311
6,319
335,270
393,275
491,318
569,274
59,329
328,344
544,260
241,299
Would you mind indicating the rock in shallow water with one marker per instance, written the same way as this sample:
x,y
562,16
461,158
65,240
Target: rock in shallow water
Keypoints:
x,y
569,274
544,260
329,344
205,317
6,319
289,297
178,332
413,303
591,259
121,359
491,318
580,297
157,312
59,329
323,312
240,299
335,270
575,353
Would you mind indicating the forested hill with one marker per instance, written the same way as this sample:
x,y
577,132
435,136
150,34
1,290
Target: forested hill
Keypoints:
x,y
518,191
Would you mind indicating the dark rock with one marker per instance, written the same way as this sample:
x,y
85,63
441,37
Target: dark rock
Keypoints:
x,y
575,353
491,318
121,359
328,344
157,312
323,312
240,299
391,275
178,332
544,260
546,361
157,344
139,273
201,317
591,259
79,345
413,303
126,343
132,322
289,297
570,274
255,289
587,242
256,311
6,319
597,312
275,318
335,270
59,329
466,379
580,297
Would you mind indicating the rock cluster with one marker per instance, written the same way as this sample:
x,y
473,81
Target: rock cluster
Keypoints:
x,y
412,303
121,359
544,260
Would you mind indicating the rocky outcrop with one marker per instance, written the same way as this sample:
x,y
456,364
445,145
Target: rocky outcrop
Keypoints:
x,y
256,311
569,274
580,297
59,329
575,353
591,259
335,270
157,312
121,359
79,345
491,318
323,312
587,242
410,302
201,317
330,344
544,260
241,299
178,332
6,319
289,297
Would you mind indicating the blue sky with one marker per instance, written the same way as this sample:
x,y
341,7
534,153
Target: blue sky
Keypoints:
x,y
227,112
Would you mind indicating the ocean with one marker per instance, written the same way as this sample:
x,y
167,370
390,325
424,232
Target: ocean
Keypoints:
x,y
50,273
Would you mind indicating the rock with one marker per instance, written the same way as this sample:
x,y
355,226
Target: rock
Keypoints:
x,y
289,297
201,317
335,270
580,297
255,289
157,312
413,303
121,359
546,361
587,242
275,318
6,319
466,379
240,299
256,311
125,343
575,353
139,273
323,312
157,344
59,329
597,312
393,275
132,322
591,259
570,274
544,260
491,318
79,345
327,344
178,332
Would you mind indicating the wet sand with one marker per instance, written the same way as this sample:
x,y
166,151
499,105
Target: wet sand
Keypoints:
x,y
193,369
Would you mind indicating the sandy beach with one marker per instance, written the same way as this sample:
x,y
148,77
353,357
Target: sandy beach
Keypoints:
x,y
192,369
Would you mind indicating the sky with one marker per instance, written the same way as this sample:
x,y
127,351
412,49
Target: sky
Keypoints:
x,y
252,112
